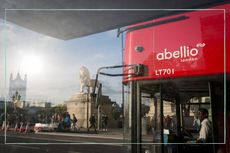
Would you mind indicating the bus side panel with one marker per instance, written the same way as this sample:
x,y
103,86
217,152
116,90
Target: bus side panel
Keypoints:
x,y
190,47
227,36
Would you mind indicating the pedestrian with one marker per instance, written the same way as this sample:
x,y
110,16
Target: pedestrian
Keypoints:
x,y
74,120
92,121
105,122
67,121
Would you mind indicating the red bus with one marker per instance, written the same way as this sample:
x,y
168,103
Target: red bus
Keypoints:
x,y
183,65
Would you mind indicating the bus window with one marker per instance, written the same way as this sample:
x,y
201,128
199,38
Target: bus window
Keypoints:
x,y
162,115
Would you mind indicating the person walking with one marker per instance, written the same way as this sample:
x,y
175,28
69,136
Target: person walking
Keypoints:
x,y
67,122
74,123
92,121
104,122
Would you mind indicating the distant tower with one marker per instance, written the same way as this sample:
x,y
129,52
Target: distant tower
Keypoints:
x,y
18,85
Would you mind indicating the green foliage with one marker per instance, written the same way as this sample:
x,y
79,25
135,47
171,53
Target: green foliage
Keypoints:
x,y
60,109
116,111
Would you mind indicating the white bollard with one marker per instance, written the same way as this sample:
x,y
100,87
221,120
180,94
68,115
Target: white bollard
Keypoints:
x,y
7,127
3,125
27,125
21,126
16,127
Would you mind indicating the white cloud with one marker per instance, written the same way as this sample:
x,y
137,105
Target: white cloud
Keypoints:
x,y
98,57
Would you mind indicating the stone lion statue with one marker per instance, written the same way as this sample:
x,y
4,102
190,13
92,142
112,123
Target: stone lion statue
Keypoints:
x,y
84,78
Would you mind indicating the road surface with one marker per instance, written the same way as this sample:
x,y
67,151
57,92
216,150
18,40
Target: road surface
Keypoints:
x,y
50,142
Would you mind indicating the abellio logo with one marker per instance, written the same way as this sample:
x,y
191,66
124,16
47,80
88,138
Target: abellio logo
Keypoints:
x,y
184,52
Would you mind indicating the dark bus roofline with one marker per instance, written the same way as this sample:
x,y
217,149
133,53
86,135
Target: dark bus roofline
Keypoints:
x,y
152,24
169,14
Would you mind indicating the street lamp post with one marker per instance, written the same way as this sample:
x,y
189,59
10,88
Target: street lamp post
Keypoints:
x,y
87,108
98,117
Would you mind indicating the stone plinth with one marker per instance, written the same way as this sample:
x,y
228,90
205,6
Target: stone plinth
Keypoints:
x,y
77,105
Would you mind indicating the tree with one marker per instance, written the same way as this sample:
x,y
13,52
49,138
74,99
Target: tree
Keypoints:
x,y
116,111
60,109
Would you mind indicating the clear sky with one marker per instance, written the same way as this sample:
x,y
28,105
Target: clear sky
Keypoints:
x,y
52,65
